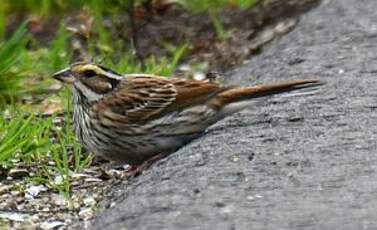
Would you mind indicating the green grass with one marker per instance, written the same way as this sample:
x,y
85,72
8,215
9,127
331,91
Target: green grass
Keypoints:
x,y
11,73
19,64
162,66
59,55
24,138
213,8
31,139
27,138
45,8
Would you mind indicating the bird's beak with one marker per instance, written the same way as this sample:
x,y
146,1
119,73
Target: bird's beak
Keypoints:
x,y
64,75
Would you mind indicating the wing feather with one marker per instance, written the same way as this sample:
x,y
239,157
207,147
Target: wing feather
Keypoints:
x,y
141,98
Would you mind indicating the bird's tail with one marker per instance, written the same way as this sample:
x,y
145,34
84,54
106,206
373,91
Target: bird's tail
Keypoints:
x,y
235,99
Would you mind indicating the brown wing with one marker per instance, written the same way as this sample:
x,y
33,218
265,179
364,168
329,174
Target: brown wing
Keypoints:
x,y
191,92
141,98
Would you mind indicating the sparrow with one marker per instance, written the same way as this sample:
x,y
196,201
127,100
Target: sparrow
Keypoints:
x,y
136,119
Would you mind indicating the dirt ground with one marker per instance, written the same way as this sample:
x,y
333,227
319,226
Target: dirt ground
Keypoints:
x,y
304,162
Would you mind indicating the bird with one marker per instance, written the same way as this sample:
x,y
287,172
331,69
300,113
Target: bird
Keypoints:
x,y
138,118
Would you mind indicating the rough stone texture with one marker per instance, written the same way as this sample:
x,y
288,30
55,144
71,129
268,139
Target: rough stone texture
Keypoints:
x,y
304,162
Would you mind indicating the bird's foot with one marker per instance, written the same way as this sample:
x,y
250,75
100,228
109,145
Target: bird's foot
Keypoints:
x,y
136,170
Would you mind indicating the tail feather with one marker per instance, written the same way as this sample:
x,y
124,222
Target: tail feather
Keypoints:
x,y
244,93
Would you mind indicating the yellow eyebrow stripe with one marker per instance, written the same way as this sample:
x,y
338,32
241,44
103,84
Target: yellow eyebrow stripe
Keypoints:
x,y
94,68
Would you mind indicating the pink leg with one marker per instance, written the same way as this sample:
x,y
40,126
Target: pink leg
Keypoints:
x,y
135,170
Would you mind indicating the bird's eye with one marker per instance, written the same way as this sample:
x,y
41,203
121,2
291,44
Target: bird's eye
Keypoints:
x,y
89,73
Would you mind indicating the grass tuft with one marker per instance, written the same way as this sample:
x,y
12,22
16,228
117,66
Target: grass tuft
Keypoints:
x,y
11,74
24,138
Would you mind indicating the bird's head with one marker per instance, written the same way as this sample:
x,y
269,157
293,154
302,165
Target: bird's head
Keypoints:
x,y
89,80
